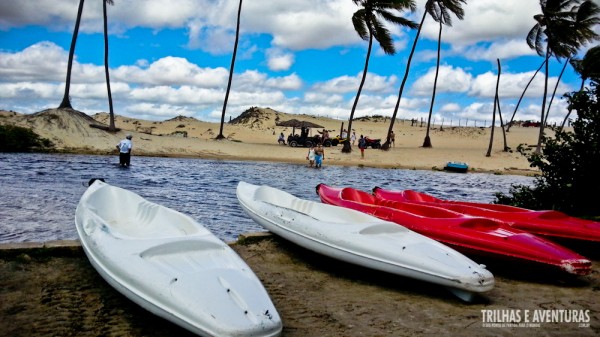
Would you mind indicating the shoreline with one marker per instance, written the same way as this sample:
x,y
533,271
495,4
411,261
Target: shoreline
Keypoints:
x,y
300,161
254,138
51,289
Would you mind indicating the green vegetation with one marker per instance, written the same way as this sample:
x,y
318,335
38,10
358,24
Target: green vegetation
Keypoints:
x,y
18,139
569,164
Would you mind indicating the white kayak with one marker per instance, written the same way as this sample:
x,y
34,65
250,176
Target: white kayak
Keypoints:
x,y
171,265
364,240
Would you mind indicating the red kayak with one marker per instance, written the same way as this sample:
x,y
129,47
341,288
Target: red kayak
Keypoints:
x,y
465,233
547,223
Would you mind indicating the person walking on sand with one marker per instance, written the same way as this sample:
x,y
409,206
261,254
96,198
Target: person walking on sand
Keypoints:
x,y
311,156
353,138
124,148
362,144
392,138
319,156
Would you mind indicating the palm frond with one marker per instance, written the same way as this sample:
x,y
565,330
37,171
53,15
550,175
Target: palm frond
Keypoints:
x,y
590,64
398,20
535,39
577,65
398,5
442,10
383,36
360,24
455,7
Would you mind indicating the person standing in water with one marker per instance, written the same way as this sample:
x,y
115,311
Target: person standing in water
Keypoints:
x,y
124,148
311,156
319,156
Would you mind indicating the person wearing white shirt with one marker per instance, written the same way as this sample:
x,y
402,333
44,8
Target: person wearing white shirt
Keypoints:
x,y
124,148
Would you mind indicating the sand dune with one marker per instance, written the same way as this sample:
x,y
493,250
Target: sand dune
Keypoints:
x,y
253,136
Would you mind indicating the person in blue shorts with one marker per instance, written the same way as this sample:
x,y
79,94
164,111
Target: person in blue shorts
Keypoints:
x,y
319,156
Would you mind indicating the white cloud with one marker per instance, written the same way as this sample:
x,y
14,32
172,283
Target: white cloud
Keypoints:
x,y
172,71
512,85
502,50
450,79
486,20
252,81
41,61
347,84
279,60
450,107
278,31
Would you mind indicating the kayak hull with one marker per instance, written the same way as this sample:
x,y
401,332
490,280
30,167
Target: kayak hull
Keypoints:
x,y
360,239
467,234
171,265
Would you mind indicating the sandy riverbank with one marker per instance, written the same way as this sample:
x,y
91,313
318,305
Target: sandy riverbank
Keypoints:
x,y
54,291
254,137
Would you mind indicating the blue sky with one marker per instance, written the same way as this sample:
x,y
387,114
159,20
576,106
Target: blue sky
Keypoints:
x,y
297,56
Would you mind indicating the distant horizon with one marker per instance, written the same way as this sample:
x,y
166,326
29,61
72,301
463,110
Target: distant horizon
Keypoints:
x,y
303,58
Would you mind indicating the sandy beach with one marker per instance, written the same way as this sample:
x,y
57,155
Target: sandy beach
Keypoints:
x,y
254,137
52,290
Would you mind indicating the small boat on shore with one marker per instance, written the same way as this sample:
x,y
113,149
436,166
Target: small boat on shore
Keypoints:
x,y
552,224
172,266
454,166
364,240
476,235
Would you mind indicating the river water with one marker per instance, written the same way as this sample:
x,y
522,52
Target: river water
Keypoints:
x,y
39,192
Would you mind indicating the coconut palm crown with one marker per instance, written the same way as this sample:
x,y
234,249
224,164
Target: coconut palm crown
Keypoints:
x,y
368,22
563,27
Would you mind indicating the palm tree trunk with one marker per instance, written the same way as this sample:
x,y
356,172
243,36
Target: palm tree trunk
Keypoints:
x,y
538,148
237,36
496,103
570,110
347,147
66,101
386,145
555,87
111,114
523,94
500,115
427,141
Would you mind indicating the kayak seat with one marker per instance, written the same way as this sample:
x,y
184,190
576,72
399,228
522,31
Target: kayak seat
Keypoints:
x,y
480,224
185,251
418,196
152,221
357,196
384,228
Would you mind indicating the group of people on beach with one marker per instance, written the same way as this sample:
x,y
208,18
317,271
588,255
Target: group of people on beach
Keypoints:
x,y
316,153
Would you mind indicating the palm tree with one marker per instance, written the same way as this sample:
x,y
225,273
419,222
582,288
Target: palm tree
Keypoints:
x,y
111,114
522,95
563,27
562,72
496,104
66,101
589,67
237,36
368,25
440,11
432,8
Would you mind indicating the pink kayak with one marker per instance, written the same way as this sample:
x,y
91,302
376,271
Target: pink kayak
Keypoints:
x,y
465,233
547,223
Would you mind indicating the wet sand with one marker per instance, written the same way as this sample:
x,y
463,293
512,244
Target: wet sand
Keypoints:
x,y
52,290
